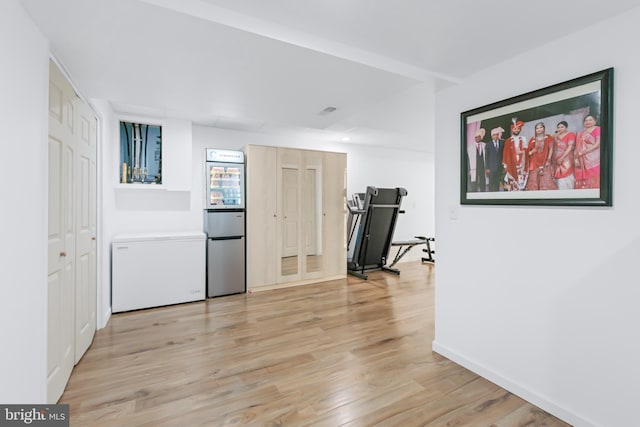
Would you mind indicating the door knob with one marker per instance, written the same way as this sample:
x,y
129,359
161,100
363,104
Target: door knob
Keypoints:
x,y
93,238
63,253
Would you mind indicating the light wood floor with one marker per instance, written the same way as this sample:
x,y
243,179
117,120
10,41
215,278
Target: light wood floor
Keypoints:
x,y
342,353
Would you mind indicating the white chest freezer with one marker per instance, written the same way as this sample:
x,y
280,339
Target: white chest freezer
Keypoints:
x,y
156,269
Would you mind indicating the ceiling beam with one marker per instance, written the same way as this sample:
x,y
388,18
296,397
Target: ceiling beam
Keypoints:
x,y
203,10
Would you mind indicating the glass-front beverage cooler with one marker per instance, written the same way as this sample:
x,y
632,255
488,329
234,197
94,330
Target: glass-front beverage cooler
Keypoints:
x,y
225,179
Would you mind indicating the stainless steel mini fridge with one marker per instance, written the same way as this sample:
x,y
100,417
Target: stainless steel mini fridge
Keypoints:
x,y
225,252
224,222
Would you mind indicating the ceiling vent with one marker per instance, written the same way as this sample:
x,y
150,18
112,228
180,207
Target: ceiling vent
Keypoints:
x,y
327,110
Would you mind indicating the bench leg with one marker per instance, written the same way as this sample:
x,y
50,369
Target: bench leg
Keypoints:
x,y
428,251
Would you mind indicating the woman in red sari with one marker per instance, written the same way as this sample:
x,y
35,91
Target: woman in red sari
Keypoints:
x,y
587,155
539,152
564,144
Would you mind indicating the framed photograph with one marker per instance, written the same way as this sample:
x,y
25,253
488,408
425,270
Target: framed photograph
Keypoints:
x,y
140,153
552,146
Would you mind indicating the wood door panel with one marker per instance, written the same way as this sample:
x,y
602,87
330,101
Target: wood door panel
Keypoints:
x,y
289,228
262,255
290,211
309,209
335,206
312,190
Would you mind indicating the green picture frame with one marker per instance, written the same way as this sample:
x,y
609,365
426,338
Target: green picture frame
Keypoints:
x,y
550,147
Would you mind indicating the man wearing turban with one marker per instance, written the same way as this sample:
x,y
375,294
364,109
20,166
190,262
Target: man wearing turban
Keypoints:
x,y
477,178
514,158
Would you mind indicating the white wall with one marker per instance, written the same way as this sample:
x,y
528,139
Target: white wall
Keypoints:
x,y
413,170
544,300
131,208
24,82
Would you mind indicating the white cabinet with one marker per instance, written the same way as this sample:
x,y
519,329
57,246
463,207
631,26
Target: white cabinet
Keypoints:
x,y
296,212
153,269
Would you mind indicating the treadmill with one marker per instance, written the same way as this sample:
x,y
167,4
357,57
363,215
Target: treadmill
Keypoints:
x,y
371,224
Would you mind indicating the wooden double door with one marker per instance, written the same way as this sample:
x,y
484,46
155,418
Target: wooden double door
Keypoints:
x,y
296,208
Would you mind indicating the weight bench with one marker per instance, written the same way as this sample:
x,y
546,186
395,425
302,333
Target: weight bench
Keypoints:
x,y
405,246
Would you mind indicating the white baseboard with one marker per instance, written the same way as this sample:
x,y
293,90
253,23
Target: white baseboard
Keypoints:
x,y
513,387
105,319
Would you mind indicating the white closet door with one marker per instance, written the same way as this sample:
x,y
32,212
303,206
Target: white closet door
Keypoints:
x,y
61,236
71,312
85,224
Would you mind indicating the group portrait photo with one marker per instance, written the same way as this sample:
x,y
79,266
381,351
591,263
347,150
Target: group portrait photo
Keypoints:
x,y
548,147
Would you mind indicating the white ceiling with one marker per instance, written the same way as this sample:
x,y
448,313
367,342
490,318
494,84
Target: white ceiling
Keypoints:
x,y
275,65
